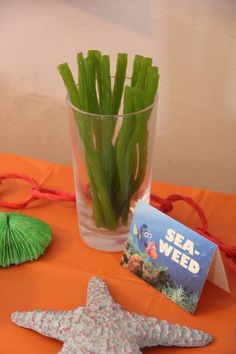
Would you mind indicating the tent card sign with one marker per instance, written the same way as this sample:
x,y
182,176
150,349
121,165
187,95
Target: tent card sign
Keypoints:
x,y
171,257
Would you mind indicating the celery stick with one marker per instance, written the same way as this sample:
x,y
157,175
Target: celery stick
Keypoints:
x,y
99,177
102,191
146,62
84,127
121,65
136,68
95,55
94,58
69,82
99,187
82,86
122,143
73,92
106,107
131,157
93,106
143,150
140,135
151,86
82,82
97,210
108,123
128,124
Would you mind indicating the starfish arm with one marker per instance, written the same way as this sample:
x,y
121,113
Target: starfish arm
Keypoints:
x,y
68,349
98,294
55,324
77,344
154,332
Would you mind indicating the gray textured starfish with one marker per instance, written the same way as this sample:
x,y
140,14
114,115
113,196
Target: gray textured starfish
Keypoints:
x,y
102,326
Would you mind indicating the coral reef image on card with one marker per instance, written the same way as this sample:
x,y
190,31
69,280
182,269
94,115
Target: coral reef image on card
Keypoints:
x,y
168,256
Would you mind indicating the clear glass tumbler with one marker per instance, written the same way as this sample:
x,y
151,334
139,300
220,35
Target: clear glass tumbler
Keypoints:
x,y
112,159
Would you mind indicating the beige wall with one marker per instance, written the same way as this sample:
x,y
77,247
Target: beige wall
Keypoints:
x,y
194,44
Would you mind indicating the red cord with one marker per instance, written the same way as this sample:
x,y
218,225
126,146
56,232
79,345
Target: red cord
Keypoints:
x,y
165,205
37,192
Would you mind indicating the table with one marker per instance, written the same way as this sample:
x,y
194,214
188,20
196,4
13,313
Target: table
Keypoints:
x,y
58,280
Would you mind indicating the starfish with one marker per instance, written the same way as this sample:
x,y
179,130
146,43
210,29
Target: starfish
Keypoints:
x,y
102,326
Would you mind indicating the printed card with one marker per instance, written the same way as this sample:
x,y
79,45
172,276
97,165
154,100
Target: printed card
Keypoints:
x,y
171,257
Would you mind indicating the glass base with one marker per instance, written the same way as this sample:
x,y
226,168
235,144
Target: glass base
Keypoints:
x,y
114,241
100,238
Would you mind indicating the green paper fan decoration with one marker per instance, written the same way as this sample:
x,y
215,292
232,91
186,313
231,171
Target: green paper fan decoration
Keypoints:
x,y
22,238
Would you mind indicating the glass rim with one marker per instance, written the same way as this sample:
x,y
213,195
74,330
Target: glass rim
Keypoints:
x,y
99,115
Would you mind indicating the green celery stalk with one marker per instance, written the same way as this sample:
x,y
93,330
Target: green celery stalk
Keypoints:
x,y
137,100
82,82
73,94
128,124
106,107
98,171
97,210
85,132
151,86
123,138
103,192
83,94
95,55
136,68
97,176
146,62
93,104
121,66
108,123
69,82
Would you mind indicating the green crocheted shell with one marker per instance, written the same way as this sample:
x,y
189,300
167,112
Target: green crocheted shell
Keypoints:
x,y
22,238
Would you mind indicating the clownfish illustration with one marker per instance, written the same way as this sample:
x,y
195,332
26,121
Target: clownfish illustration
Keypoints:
x,y
151,250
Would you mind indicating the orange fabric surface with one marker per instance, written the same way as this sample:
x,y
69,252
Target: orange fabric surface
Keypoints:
x,y
58,280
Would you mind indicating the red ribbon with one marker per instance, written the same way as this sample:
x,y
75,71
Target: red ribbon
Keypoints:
x,y
164,204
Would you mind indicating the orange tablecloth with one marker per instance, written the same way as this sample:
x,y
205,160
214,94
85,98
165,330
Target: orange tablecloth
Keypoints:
x,y
58,280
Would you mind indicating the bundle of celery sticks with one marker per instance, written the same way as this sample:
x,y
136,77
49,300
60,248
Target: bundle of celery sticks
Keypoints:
x,y
116,169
